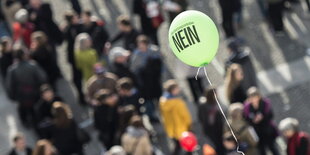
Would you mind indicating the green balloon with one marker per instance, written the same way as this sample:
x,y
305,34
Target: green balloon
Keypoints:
x,y
194,38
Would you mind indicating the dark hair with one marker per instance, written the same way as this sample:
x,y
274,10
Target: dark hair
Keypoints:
x,y
229,137
40,37
124,83
102,94
87,13
19,53
209,94
45,87
136,121
170,85
69,16
124,20
5,41
62,115
18,137
143,39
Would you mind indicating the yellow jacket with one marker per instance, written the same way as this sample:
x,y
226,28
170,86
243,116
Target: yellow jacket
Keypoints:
x,y
85,61
175,115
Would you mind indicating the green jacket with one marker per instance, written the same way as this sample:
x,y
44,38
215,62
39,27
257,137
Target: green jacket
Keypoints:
x,y
85,61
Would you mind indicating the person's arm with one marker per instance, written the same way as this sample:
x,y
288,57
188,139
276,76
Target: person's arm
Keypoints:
x,y
303,147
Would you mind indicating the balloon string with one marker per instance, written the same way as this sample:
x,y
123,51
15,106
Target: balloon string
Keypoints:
x,y
220,107
197,73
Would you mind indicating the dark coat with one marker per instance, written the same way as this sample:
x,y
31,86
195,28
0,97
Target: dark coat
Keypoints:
x,y
70,32
23,82
44,22
183,4
64,139
134,100
139,8
129,39
45,57
106,121
6,60
28,151
98,34
212,124
243,59
43,109
238,94
121,70
265,129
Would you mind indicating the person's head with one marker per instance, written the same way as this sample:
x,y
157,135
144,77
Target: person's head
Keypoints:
x,y
38,40
98,69
62,114
86,16
235,45
21,16
254,96
233,78
119,55
106,97
289,126
36,4
143,43
5,44
47,92
71,17
19,141
235,111
229,141
172,87
83,42
116,150
136,121
20,54
124,86
124,23
44,147
209,96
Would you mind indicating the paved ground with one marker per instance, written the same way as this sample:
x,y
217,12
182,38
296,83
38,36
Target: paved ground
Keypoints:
x,y
281,62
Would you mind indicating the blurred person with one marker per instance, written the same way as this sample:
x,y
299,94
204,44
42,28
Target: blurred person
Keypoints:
x,y
44,147
150,18
230,144
127,32
6,55
233,84
119,64
146,64
45,56
20,146
258,113
228,9
101,80
239,55
43,108
298,142
23,85
275,12
116,150
245,133
210,118
76,6
106,117
62,130
85,55
22,28
135,140
174,7
4,27
41,16
96,29
71,30
9,8
129,94
175,114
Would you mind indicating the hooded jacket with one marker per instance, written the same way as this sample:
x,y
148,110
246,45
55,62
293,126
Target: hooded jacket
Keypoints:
x,y
175,115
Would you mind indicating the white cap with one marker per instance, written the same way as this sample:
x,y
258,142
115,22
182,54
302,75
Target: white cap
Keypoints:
x,y
118,52
21,15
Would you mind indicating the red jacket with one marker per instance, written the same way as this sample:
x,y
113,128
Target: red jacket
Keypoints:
x,y
22,32
299,144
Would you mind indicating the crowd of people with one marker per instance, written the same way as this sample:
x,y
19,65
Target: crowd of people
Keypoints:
x,y
123,84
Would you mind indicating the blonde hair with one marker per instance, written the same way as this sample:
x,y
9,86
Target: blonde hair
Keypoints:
x,y
80,41
230,80
41,146
62,114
